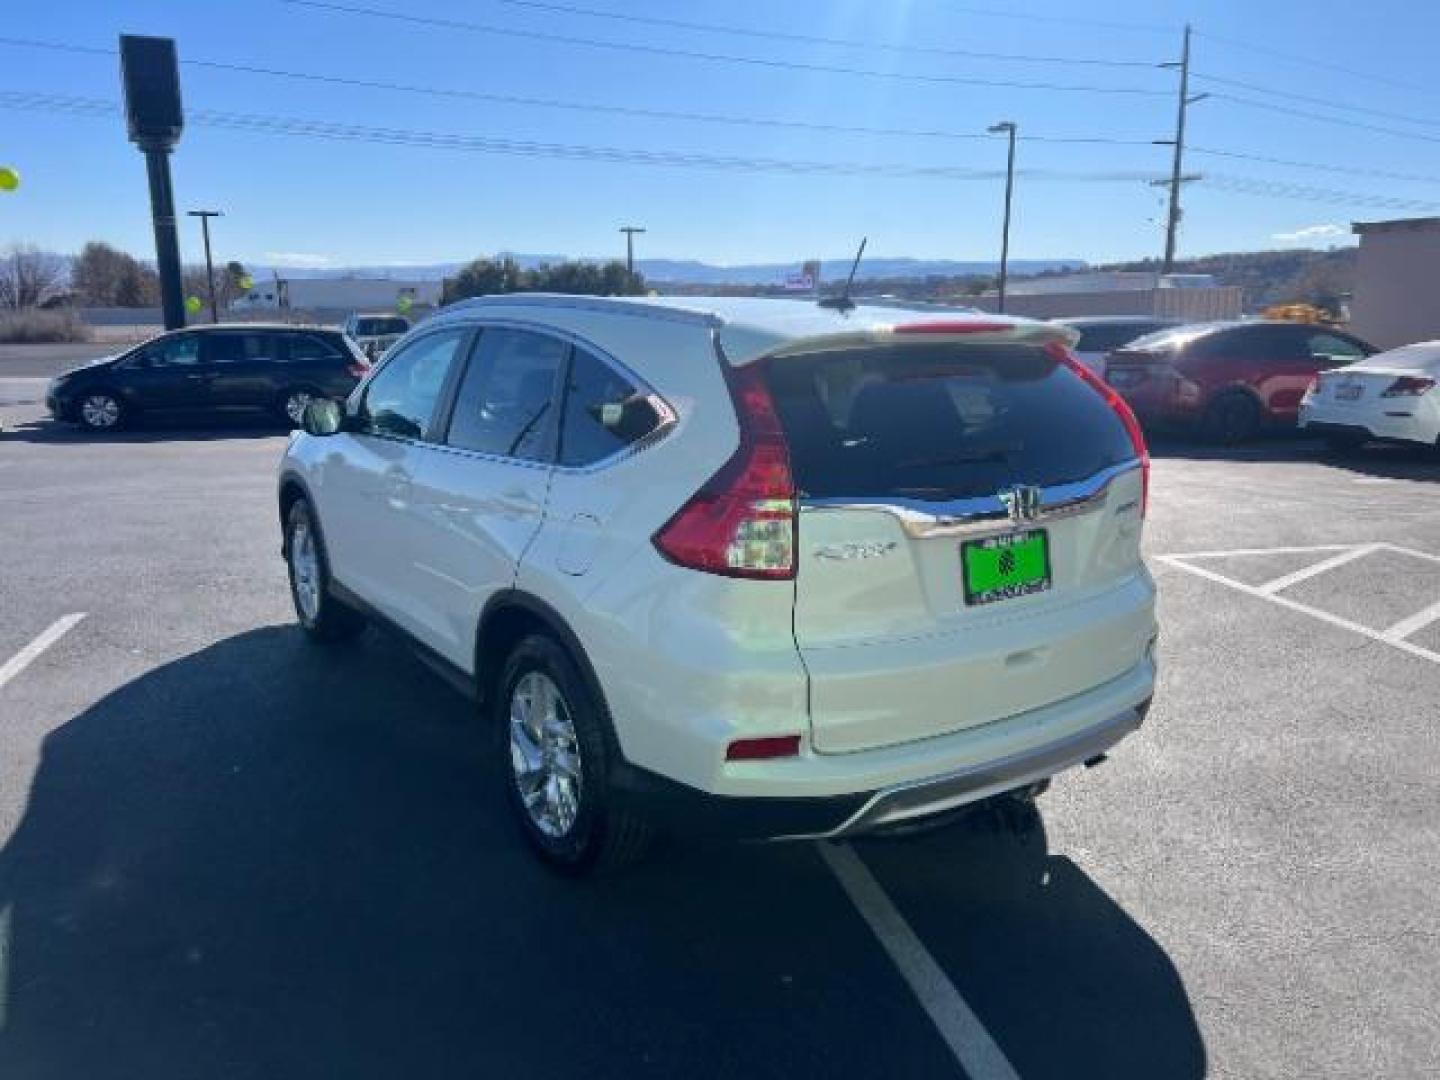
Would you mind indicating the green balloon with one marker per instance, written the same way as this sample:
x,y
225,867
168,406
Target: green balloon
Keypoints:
x,y
9,178
192,304
404,303
246,282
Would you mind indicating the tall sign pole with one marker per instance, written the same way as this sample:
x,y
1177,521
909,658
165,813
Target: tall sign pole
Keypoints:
x,y
205,216
150,73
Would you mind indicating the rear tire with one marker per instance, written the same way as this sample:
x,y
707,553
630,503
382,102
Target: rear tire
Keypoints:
x,y
321,616
1230,419
552,740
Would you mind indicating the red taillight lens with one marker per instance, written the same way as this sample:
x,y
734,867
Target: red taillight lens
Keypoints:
x,y
741,523
1408,386
359,370
1122,410
774,746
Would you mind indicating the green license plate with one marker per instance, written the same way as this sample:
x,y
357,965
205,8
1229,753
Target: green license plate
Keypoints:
x,y
1003,567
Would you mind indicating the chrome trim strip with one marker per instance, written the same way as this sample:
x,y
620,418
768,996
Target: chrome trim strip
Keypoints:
x,y
931,796
963,517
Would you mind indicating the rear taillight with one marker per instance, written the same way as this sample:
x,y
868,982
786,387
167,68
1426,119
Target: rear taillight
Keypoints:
x,y
741,523
1408,386
358,370
1122,410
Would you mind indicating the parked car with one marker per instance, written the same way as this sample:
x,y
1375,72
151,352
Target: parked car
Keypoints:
x,y
754,567
1102,334
1391,396
1229,379
376,332
233,368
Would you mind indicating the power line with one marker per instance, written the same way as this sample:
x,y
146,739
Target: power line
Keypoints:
x,y
1246,185
1326,102
1064,20
1337,121
1312,62
711,57
1348,170
282,125
583,106
262,123
816,39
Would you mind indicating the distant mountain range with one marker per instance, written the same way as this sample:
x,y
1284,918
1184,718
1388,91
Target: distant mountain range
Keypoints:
x,y
692,272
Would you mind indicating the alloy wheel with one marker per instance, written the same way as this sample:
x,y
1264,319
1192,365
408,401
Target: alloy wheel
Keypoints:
x,y
100,411
305,571
545,754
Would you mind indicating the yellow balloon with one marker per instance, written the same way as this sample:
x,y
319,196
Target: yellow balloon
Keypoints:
x,y
192,304
404,304
9,178
247,283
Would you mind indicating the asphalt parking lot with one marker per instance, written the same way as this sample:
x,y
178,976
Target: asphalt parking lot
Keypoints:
x,y
225,853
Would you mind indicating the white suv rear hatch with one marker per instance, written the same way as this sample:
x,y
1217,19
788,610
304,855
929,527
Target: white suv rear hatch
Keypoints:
x,y
922,605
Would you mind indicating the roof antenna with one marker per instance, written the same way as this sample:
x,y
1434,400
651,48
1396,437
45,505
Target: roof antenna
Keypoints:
x,y
843,301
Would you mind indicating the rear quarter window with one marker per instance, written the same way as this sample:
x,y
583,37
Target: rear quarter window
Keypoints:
x,y
940,422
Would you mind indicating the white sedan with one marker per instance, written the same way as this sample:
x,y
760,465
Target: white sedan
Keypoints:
x,y
1391,396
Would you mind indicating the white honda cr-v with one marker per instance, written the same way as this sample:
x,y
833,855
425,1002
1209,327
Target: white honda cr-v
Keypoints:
x,y
758,567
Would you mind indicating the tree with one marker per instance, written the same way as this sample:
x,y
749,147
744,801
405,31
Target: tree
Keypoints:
x,y
484,277
30,277
105,277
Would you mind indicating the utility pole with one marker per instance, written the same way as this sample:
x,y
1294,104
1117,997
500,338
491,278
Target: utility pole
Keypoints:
x,y
630,231
1006,127
205,216
1177,177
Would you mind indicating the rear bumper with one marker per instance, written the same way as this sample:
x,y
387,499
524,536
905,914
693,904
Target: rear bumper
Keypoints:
x,y
1414,427
1011,754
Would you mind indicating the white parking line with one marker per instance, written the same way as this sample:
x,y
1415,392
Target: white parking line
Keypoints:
x,y
961,1029
1405,627
1178,561
1318,568
26,656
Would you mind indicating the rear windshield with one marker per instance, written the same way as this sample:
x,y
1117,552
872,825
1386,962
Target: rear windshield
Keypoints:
x,y
381,327
1107,336
940,422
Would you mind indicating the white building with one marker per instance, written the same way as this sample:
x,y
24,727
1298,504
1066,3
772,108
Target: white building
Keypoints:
x,y
339,294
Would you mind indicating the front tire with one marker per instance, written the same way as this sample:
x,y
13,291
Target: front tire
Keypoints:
x,y
101,411
321,616
552,739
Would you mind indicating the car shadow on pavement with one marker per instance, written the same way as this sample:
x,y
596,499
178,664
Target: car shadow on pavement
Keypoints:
x,y
268,859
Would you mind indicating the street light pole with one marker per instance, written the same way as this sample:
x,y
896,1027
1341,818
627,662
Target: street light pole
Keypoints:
x,y
205,216
1006,127
630,231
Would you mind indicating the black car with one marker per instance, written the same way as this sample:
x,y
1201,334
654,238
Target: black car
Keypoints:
x,y
246,368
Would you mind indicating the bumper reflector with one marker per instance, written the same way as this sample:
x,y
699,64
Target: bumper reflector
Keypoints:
x,y
775,746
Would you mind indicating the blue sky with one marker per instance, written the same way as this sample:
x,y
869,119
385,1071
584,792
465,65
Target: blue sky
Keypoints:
x,y
327,202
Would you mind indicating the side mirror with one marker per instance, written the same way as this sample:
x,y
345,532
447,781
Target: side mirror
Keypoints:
x,y
323,416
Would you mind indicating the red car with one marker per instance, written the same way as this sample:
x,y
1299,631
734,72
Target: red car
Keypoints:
x,y
1228,380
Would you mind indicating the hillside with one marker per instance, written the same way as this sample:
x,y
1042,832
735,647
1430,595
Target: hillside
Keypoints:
x,y
1270,277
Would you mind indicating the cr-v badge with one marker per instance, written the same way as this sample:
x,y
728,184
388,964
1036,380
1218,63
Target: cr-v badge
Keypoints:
x,y
871,550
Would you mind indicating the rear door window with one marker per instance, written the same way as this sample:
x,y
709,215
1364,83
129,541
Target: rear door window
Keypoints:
x,y
940,422
604,412
233,347
303,348
1105,337
506,403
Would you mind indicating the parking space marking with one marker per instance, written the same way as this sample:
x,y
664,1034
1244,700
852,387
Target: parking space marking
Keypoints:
x,y
1315,548
1179,562
26,656
1421,619
961,1029
1315,569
